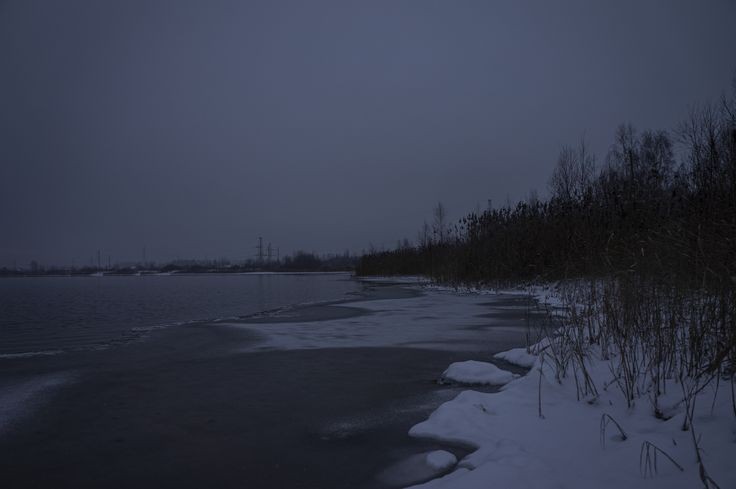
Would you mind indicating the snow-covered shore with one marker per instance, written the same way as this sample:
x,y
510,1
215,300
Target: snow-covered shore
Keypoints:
x,y
540,430
575,444
538,433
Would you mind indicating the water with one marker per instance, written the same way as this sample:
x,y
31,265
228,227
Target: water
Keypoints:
x,y
51,314
203,404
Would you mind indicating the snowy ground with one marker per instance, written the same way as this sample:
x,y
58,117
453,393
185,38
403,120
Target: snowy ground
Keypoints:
x,y
535,433
518,356
515,447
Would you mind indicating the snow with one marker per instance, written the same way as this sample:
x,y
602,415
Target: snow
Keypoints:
x,y
474,372
546,295
515,447
419,467
518,356
29,354
437,320
398,279
441,460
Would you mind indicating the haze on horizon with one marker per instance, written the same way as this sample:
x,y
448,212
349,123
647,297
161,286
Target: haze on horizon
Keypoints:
x,y
192,128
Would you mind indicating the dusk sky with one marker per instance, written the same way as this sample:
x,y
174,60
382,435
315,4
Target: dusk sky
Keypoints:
x,y
192,128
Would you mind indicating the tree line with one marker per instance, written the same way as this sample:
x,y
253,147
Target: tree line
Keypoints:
x,y
644,248
643,211
300,261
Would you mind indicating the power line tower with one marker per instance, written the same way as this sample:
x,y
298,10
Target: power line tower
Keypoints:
x,y
270,253
260,250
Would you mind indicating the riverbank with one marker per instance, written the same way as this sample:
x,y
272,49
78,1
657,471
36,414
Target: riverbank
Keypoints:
x,y
302,397
569,422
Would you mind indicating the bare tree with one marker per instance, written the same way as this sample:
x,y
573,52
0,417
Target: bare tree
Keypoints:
x,y
440,227
586,165
562,183
574,172
657,160
624,154
424,236
701,135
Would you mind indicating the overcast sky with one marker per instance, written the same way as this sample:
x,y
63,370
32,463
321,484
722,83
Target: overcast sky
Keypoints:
x,y
192,128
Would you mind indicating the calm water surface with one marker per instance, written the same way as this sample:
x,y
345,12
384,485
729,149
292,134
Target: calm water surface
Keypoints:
x,y
195,406
51,314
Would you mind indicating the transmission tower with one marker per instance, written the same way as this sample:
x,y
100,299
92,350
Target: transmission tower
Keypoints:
x,y
260,250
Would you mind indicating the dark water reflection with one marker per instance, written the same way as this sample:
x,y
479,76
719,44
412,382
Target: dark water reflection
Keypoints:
x,y
189,409
46,314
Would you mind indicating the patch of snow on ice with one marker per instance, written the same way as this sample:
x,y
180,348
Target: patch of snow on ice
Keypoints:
x,y
397,279
474,372
418,468
456,323
441,460
518,356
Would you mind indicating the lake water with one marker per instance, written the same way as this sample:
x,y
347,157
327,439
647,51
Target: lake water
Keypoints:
x,y
52,314
302,397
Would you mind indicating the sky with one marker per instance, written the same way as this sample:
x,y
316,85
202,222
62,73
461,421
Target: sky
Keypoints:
x,y
191,128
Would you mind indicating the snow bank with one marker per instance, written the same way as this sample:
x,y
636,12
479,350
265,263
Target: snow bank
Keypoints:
x,y
418,467
441,460
569,446
547,295
518,356
397,279
474,372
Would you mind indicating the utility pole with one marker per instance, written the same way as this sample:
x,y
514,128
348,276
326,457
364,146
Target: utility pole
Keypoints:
x,y
99,266
269,252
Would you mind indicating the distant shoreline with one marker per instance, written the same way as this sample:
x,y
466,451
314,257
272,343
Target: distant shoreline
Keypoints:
x,y
182,273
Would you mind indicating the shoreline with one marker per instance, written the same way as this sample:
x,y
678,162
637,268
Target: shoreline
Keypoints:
x,y
174,273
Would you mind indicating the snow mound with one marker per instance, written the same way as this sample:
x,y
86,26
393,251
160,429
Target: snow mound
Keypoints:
x,y
441,460
518,356
474,372
417,468
570,445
